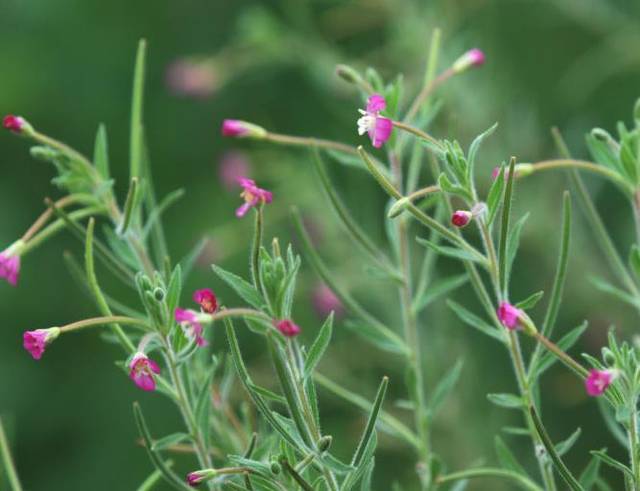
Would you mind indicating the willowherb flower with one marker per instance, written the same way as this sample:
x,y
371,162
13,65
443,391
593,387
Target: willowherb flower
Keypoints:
x,y
510,316
325,301
35,342
10,267
206,299
378,127
287,327
189,321
197,477
252,195
472,58
192,78
233,167
241,129
598,381
141,370
17,124
461,218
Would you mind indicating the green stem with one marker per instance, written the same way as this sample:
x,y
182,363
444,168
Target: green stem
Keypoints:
x,y
419,133
9,465
633,444
585,165
562,356
98,321
523,481
302,141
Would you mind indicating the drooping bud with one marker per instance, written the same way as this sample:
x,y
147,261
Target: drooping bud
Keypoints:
x,y
287,327
515,319
16,124
241,129
472,58
206,299
197,477
461,218
35,342
598,381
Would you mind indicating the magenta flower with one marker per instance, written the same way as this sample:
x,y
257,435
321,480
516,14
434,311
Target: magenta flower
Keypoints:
x,y
472,58
141,370
206,299
192,78
598,381
325,301
241,129
188,320
378,127
9,267
510,316
287,327
196,477
35,342
461,218
233,167
14,123
253,196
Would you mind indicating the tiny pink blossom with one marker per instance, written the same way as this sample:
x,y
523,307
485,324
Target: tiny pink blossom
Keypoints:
x,y
14,123
141,370
192,78
287,327
377,127
472,58
598,381
476,56
325,301
188,319
35,342
509,316
233,166
196,477
234,127
252,195
461,218
10,267
206,299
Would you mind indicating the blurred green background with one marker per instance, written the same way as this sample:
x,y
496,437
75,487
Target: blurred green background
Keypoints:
x,y
67,65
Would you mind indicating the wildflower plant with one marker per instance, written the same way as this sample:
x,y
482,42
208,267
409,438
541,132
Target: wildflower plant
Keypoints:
x,y
431,185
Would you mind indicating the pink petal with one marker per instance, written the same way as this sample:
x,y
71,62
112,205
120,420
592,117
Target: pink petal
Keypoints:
x,y
381,132
242,210
376,103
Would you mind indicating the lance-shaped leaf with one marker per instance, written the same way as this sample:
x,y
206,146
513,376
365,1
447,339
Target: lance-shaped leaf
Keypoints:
x,y
101,153
371,423
473,150
243,288
475,321
318,347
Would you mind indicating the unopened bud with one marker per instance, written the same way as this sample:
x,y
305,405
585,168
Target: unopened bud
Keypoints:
x,y
17,124
461,218
275,468
241,129
348,74
473,57
324,443
159,294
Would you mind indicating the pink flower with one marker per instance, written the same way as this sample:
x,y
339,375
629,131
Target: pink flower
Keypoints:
x,y
192,78
9,267
36,341
472,58
287,327
196,477
510,316
206,299
378,127
188,320
461,218
141,370
241,129
598,381
14,123
253,195
325,301
233,166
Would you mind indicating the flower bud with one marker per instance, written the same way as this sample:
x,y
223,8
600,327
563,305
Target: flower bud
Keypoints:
x,y
196,477
348,74
275,468
35,342
515,319
159,294
287,328
473,57
241,129
324,443
17,124
461,218
598,381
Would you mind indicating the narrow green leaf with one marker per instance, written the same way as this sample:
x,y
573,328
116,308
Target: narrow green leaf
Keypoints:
x,y
444,387
589,475
168,441
473,150
506,457
371,423
101,153
174,289
562,469
129,206
504,229
510,401
243,288
530,301
153,479
475,321
449,251
607,287
612,462
513,242
136,139
564,446
319,346
495,195
436,290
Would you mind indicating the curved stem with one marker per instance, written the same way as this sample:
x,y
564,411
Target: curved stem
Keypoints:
x,y
304,141
418,132
582,164
44,217
426,91
562,356
98,321
9,466
523,481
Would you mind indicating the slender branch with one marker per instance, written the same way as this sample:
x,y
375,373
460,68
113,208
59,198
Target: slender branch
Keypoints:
x,y
12,474
99,321
523,481
585,165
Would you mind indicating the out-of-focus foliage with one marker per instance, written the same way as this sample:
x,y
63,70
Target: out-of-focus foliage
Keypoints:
x,y
573,64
